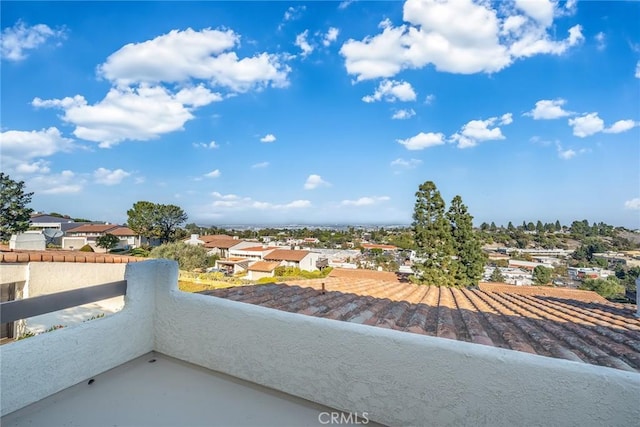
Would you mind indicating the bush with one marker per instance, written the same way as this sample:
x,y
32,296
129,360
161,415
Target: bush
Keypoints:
x,y
189,257
140,252
608,288
86,248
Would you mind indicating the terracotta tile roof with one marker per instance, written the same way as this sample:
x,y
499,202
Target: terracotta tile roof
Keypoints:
x,y
93,228
66,256
221,242
603,334
385,276
263,266
210,237
123,231
257,249
574,294
286,255
376,246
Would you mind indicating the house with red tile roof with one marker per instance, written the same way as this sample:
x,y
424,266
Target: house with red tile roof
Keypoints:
x,y
88,234
260,269
304,260
384,248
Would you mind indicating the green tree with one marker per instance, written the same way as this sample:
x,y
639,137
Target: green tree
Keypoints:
x,y
557,226
542,275
496,276
107,241
539,227
155,220
14,213
169,218
142,219
608,288
470,259
189,257
510,226
432,235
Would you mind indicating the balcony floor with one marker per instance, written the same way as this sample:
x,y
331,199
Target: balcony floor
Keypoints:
x,y
167,392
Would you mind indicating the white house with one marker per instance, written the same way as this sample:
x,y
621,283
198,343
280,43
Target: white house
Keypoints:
x,y
304,260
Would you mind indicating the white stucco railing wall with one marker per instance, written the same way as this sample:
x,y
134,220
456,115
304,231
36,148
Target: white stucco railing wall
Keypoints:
x,y
36,367
51,277
398,378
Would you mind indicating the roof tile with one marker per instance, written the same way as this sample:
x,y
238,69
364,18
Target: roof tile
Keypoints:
x,y
599,333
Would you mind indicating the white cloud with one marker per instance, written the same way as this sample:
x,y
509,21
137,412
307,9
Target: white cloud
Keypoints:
x,y
406,164
21,149
345,4
637,73
633,204
136,114
621,126
303,43
293,13
180,56
586,125
422,141
403,114
540,10
567,154
315,181
331,36
430,99
477,131
37,167
601,41
548,109
506,119
213,174
109,177
365,201
211,145
268,138
18,39
458,36
30,144
391,91
246,203
65,182
225,196
260,165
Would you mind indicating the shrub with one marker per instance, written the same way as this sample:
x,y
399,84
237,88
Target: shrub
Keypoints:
x,y
86,248
189,257
140,252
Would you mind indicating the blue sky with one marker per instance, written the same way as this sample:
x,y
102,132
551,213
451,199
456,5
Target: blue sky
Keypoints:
x,y
324,112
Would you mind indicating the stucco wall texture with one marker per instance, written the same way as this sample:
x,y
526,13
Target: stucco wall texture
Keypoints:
x,y
397,378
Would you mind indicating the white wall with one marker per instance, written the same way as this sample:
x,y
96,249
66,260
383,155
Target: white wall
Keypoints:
x,y
37,367
51,277
398,378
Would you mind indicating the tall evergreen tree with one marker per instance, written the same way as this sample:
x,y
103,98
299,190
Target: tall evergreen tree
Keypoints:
x,y
14,213
432,235
470,259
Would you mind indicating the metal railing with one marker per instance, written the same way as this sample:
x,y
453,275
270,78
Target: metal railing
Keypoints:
x,y
11,311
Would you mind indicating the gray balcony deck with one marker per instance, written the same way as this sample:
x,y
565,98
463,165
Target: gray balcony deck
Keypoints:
x,y
168,392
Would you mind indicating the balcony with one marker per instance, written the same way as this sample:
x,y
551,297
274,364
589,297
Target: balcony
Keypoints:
x,y
222,362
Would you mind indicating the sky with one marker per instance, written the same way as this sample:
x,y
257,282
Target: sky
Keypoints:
x,y
280,112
